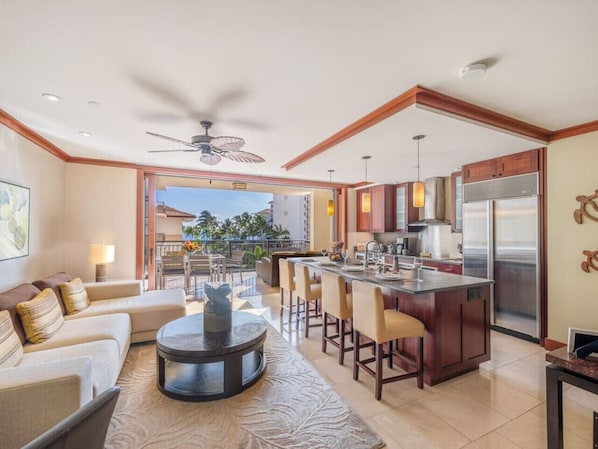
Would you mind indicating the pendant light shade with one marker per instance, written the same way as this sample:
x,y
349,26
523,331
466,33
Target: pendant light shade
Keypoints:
x,y
366,202
330,209
366,197
419,188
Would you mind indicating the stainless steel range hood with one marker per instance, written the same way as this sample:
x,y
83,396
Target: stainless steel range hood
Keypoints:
x,y
434,204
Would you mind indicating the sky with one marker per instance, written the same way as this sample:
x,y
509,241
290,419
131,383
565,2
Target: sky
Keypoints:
x,y
220,203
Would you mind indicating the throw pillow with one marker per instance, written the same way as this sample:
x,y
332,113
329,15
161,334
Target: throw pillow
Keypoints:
x,y
9,300
54,282
41,316
11,350
74,296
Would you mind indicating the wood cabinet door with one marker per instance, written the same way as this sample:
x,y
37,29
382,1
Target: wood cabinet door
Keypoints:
x,y
479,171
450,268
456,202
517,164
382,208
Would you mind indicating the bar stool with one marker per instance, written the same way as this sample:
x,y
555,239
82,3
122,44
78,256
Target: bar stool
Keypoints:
x,y
306,292
286,278
383,326
338,304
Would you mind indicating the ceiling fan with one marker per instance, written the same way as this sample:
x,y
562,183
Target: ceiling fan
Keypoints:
x,y
213,149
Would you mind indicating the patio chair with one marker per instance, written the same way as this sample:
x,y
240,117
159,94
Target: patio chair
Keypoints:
x,y
172,266
236,263
200,266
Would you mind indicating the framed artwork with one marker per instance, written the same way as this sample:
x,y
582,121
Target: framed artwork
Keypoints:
x,y
14,221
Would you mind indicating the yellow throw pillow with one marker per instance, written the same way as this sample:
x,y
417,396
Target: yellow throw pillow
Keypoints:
x,y
11,349
41,316
74,296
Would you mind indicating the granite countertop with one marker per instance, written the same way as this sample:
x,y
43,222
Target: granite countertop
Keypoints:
x,y
433,281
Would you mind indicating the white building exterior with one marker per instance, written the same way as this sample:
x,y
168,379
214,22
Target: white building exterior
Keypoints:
x,y
293,213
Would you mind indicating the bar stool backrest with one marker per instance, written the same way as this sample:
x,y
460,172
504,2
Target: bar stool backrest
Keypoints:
x,y
368,309
334,296
286,274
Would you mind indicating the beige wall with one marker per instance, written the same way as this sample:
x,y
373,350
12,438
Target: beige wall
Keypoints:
x,y
321,223
23,163
100,207
572,293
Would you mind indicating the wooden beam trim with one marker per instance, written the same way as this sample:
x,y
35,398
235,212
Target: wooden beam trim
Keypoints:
x,y
576,130
10,122
388,109
444,103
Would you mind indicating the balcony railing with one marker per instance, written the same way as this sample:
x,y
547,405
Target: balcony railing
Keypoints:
x,y
254,249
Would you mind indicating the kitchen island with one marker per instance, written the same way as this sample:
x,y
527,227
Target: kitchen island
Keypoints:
x,y
455,311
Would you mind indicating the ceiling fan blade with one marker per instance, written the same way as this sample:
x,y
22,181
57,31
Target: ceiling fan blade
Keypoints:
x,y
227,143
174,151
242,156
172,139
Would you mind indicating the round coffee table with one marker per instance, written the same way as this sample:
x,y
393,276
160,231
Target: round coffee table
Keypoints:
x,y
194,365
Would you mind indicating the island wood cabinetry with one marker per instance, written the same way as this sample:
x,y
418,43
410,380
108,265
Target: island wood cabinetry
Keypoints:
x,y
457,325
381,215
513,164
405,213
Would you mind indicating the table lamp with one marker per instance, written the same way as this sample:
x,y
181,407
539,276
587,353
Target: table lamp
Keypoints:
x,y
100,255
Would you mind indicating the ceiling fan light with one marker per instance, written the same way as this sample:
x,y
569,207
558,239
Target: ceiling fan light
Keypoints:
x,y
210,158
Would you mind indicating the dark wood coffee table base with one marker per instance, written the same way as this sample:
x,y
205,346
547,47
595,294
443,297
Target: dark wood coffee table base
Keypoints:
x,y
198,366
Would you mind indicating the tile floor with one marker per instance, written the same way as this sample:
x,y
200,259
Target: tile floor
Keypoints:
x,y
500,406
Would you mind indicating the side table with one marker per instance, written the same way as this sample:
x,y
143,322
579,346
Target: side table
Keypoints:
x,y
565,367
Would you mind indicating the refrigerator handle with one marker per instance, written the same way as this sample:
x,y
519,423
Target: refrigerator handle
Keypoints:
x,y
490,239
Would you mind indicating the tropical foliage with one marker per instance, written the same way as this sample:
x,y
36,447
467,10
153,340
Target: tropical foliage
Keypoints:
x,y
243,227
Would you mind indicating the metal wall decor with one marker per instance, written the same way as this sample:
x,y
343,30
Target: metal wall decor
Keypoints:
x,y
587,206
591,262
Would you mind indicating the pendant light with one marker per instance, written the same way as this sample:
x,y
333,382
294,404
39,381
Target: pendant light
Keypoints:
x,y
366,197
418,187
331,202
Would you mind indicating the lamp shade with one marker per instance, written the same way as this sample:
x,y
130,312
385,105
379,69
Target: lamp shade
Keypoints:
x,y
419,191
100,253
330,208
366,202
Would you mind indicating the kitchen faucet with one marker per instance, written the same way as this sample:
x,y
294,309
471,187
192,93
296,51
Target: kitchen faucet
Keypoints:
x,y
365,258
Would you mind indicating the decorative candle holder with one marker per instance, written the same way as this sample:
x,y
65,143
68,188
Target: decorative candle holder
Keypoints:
x,y
218,301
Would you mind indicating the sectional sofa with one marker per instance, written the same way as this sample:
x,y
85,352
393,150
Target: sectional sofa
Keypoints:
x,y
43,382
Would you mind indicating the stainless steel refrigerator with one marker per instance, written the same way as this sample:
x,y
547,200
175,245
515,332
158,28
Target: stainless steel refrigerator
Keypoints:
x,y
501,242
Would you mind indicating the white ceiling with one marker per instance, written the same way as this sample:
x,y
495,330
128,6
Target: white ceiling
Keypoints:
x,y
286,75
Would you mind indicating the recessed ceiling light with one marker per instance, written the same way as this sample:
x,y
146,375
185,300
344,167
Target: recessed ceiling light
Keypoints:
x,y
93,103
85,133
475,70
51,97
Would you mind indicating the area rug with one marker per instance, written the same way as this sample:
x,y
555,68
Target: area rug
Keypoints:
x,y
291,406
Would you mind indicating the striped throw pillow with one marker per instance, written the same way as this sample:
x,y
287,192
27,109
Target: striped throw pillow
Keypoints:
x,y
11,349
41,316
74,296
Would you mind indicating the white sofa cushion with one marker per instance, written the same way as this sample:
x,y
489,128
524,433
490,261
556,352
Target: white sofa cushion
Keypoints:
x,y
148,311
116,326
105,356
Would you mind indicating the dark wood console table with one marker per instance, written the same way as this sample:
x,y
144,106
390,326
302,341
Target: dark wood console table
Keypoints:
x,y
194,365
565,367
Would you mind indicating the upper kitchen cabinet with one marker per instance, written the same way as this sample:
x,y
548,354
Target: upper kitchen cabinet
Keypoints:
x,y
380,217
457,202
513,164
405,212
